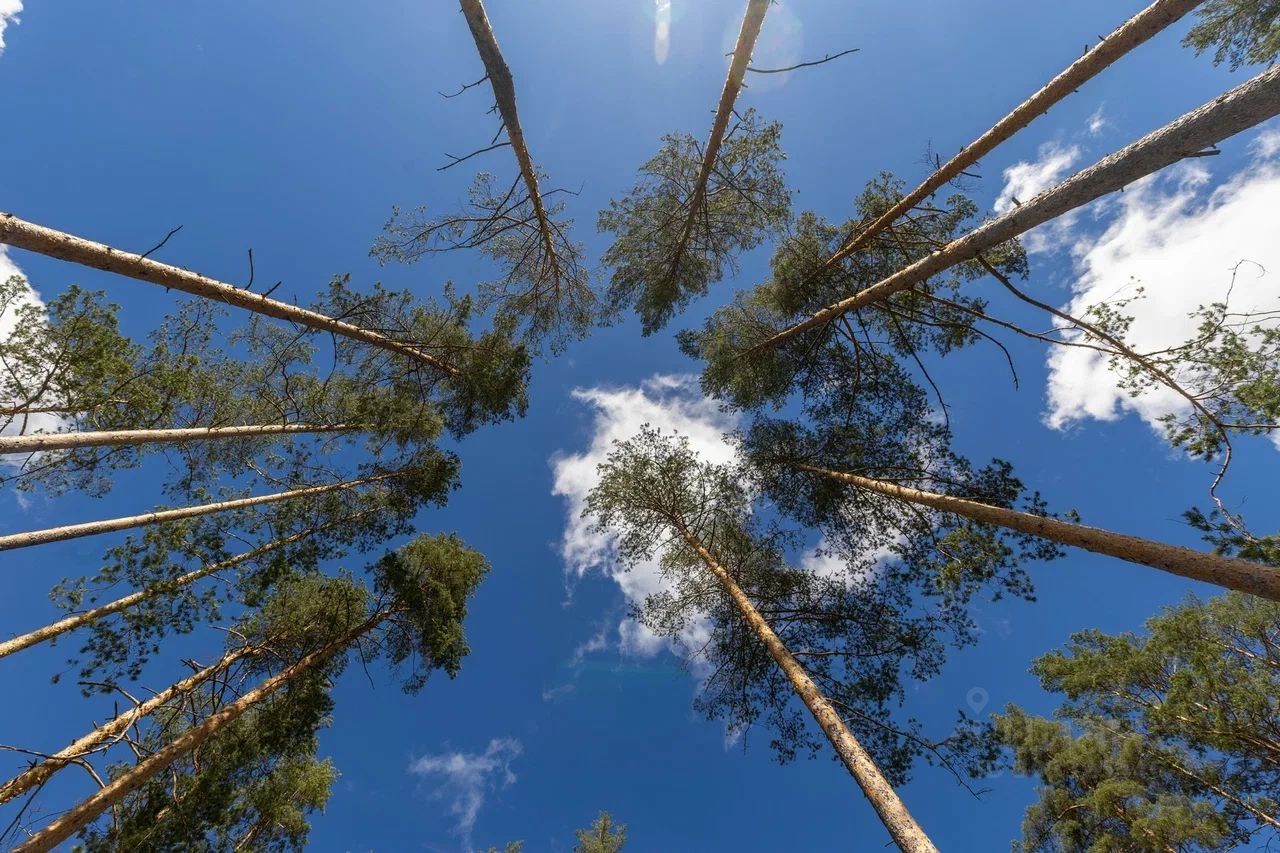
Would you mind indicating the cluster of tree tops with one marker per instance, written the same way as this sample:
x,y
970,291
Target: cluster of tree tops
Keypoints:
x,y
1166,742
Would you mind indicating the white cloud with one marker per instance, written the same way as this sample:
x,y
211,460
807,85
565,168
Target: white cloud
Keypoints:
x,y
1180,241
670,403
1097,122
1025,180
466,779
39,422
9,10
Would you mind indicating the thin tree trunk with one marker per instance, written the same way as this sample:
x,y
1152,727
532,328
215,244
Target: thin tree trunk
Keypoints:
x,y
1227,572
906,833
752,21
38,442
62,626
1239,109
110,525
1129,35
115,791
68,247
104,734
504,93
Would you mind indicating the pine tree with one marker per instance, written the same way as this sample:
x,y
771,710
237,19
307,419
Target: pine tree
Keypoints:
x,y
415,608
659,499
1165,741
1242,32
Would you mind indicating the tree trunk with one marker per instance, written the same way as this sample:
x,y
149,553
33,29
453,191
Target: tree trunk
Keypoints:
x,y
1239,109
906,833
104,734
1227,572
87,810
110,525
68,247
752,21
38,442
504,93
62,626
1129,35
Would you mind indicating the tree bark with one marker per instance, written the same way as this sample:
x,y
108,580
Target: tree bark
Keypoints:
x,y
104,734
906,833
752,21
62,626
504,93
68,247
1239,109
1227,572
110,525
87,810
37,442
1129,35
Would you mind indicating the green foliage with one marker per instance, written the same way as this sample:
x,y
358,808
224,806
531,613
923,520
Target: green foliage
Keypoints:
x,y
603,836
157,557
253,783
666,254
1243,32
860,633
492,368
1165,741
931,317
545,288
1231,368
429,580
1228,537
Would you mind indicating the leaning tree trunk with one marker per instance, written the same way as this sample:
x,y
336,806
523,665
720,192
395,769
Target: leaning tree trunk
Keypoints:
x,y
106,733
62,626
40,442
1227,572
504,94
1129,35
906,833
1239,109
110,525
85,812
68,247
752,21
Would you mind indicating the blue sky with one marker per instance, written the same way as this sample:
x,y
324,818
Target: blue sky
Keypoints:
x,y
293,128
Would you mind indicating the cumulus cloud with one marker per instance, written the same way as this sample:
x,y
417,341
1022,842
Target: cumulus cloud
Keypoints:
x,y
1180,240
671,403
1025,180
9,10
465,779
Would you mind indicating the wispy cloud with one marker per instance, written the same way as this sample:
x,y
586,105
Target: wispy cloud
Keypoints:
x,y
1025,180
9,10
466,779
1097,121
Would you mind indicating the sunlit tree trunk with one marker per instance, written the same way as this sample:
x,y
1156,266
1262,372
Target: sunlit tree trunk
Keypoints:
x,y
906,833
504,93
1137,30
1227,572
752,21
1239,109
110,525
62,626
38,442
104,734
68,247
116,790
